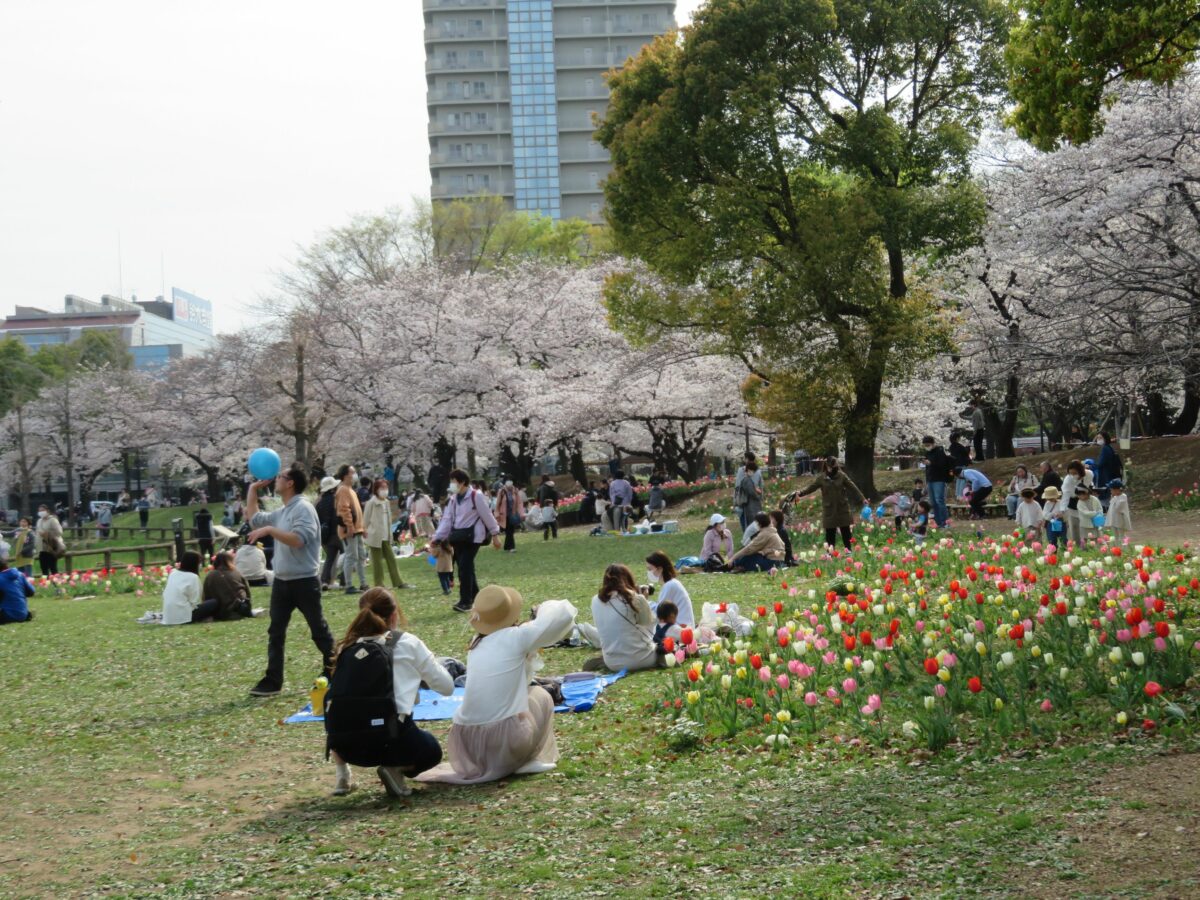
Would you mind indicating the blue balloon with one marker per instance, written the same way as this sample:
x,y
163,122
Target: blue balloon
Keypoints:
x,y
264,464
866,512
432,560
1098,520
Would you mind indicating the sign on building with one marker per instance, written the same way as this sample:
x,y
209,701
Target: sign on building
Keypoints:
x,y
192,311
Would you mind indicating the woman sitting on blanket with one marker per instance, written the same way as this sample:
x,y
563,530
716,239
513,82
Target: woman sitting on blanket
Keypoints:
x,y
624,625
226,592
505,725
413,750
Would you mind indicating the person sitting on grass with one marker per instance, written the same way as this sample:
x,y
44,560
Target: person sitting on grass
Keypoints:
x,y
623,625
226,593
666,612
505,725
252,563
410,750
777,520
717,539
660,570
763,553
15,591
181,593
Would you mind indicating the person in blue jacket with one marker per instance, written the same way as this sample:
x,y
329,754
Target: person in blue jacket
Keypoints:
x,y
1108,466
15,591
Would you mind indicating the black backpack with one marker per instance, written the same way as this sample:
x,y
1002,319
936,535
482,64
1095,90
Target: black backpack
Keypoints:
x,y
327,516
360,705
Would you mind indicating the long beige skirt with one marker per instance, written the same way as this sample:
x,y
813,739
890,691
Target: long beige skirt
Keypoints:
x,y
479,753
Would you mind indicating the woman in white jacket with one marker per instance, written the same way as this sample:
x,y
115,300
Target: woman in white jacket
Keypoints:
x,y
1077,474
377,519
505,725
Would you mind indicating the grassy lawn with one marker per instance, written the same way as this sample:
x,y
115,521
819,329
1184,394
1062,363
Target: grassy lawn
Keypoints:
x,y
135,764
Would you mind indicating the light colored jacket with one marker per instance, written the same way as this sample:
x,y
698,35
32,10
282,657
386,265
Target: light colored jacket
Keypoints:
x,y
626,633
377,521
767,542
716,542
502,505
49,534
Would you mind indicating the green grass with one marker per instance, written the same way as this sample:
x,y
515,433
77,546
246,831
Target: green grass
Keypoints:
x,y
135,764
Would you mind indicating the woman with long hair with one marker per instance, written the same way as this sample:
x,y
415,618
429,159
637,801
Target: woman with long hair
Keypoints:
x,y
408,750
624,623
505,725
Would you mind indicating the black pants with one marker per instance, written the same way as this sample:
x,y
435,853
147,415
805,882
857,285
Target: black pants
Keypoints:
x,y
332,549
303,594
206,610
49,563
548,529
6,619
510,529
977,497
978,440
468,587
831,535
144,516
412,751
206,549
446,580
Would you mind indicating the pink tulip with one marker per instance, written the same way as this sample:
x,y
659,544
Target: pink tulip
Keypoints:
x,y
979,626
919,626
939,689
829,658
874,701
1160,644
680,655
783,681
1124,635
949,660
764,674
1047,705
783,632
831,692
810,699
849,685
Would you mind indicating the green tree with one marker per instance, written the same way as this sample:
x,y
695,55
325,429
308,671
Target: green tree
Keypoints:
x,y
801,162
1064,54
20,382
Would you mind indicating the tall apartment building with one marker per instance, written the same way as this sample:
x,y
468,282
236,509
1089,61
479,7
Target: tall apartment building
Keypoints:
x,y
513,86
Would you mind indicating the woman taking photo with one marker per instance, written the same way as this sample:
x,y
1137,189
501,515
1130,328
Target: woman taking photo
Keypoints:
x,y
836,513
660,570
377,520
405,750
624,624
505,725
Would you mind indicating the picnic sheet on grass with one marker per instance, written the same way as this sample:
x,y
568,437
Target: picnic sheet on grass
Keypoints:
x,y
578,696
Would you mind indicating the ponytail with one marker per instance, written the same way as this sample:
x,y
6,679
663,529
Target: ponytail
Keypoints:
x,y
375,610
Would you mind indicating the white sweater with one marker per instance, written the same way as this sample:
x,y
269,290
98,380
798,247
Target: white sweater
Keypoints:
x,y
674,591
1029,515
626,633
181,595
500,667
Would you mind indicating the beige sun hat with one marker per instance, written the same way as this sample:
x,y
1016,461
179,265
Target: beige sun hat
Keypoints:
x,y
495,607
1052,493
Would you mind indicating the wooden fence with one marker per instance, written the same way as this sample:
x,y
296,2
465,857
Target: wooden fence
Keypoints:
x,y
147,555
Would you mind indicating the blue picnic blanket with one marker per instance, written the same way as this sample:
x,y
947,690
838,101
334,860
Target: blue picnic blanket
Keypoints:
x,y
578,696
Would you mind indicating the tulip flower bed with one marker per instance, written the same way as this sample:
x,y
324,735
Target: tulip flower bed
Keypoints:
x,y
981,640
93,582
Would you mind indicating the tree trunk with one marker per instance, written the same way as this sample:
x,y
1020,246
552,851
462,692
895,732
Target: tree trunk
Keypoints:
x,y
213,477
445,452
1185,422
299,410
578,467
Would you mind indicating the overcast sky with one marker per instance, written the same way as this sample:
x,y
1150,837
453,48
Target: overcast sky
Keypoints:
x,y
207,139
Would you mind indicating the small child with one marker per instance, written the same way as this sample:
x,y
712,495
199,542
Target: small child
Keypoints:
x,y
1052,515
550,520
1086,512
535,515
444,554
921,521
667,613
1029,514
1118,519
918,491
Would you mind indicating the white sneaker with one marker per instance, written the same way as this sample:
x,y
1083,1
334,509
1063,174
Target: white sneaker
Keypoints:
x,y
536,767
343,785
393,781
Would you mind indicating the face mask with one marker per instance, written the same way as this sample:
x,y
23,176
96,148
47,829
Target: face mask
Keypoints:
x,y
463,488
382,495
42,514
653,577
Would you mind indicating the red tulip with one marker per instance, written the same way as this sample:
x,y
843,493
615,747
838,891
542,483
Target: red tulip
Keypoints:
x,y
1017,632
1162,629
865,638
669,644
762,611
1133,616
686,636
894,626
756,661
1152,688
693,675
974,685
931,666
849,641
778,607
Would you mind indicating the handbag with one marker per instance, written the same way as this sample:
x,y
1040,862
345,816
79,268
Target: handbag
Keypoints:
x,y
464,535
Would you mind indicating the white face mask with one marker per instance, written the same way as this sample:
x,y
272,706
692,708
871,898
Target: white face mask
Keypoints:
x,y
42,514
653,577
382,495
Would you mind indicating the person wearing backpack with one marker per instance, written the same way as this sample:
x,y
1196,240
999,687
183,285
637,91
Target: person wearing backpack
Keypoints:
x,y
375,685
505,724
24,547
331,544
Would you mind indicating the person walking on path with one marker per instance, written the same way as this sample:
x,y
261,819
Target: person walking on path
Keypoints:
x,y
510,510
49,541
143,511
331,543
466,525
350,530
297,536
377,518
1108,467
836,512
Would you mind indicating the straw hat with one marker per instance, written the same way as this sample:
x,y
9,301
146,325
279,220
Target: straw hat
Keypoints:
x,y
1051,493
495,607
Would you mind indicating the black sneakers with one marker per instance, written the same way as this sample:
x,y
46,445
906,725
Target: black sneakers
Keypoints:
x,y
458,607
266,688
